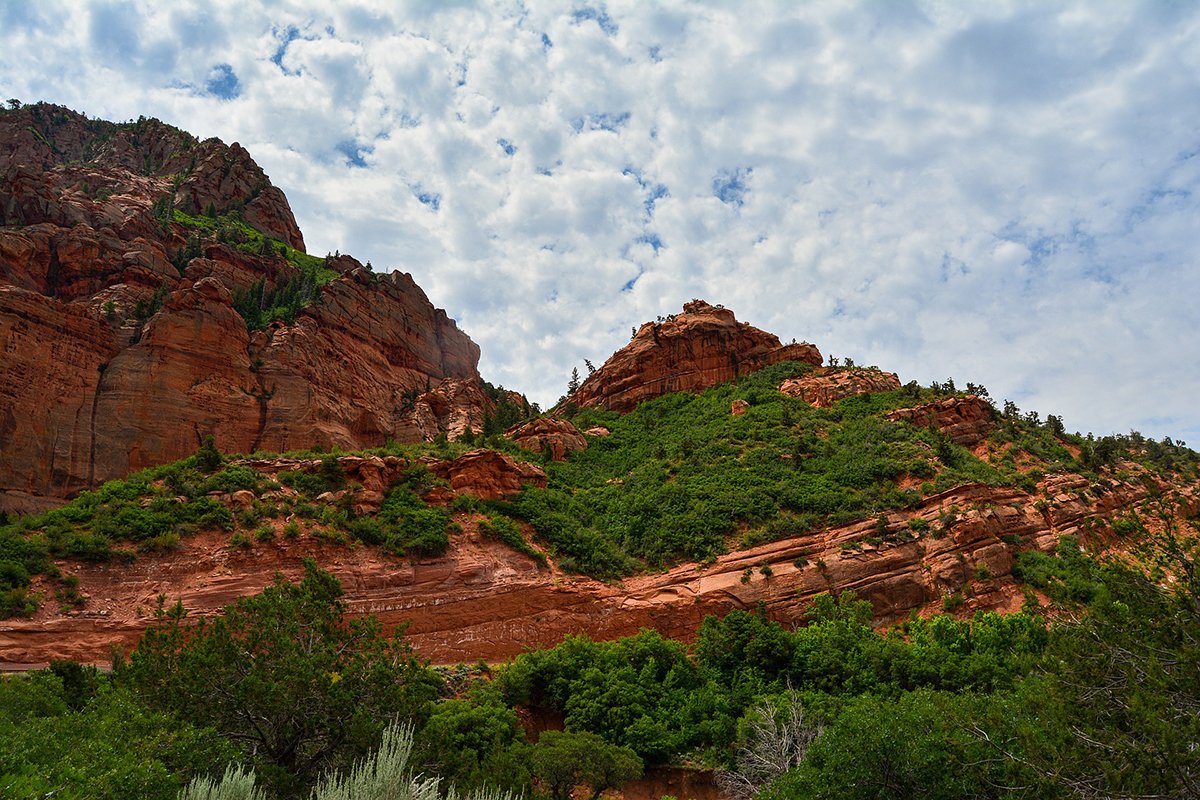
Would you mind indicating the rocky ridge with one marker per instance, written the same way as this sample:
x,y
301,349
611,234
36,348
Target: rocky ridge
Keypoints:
x,y
119,339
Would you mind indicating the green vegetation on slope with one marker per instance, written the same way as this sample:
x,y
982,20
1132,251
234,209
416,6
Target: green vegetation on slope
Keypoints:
x,y
294,289
678,478
679,475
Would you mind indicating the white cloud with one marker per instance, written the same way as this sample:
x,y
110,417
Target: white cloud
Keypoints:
x,y
1002,193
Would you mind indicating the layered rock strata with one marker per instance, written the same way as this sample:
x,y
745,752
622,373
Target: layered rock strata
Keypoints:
x,y
483,600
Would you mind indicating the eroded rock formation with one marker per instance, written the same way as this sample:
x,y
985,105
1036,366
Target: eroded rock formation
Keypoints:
x,y
824,387
966,420
119,341
702,347
548,434
489,475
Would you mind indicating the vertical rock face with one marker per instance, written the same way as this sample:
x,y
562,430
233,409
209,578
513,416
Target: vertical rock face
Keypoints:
x,y
52,358
121,348
702,347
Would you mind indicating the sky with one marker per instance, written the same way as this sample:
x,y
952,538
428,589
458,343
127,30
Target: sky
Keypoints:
x,y
997,192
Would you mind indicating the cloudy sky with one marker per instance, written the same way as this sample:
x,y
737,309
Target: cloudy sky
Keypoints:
x,y
999,192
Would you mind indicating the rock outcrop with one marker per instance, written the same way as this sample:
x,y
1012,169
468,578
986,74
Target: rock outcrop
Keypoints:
x,y
824,387
119,341
451,409
489,475
547,434
65,169
702,347
966,420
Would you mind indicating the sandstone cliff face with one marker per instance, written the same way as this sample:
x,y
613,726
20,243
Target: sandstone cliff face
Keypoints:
x,y
702,347
825,387
484,600
119,354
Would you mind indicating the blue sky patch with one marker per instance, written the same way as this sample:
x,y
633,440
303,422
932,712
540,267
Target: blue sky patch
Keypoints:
x,y
599,15
431,199
657,193
729,186
286,36
601,121
223,82
353,152
654,191
508,147
651,239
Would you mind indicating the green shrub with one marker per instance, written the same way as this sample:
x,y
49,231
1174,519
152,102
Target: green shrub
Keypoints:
x,y
503,528
232,479
13,575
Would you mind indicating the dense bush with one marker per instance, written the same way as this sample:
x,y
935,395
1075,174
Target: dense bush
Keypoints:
x,y
111,747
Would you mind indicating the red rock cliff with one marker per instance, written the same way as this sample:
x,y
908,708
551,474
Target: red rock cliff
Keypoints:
x,y
702,347
119,351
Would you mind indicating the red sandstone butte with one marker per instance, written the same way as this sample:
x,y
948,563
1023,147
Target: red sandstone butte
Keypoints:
x,y
702,347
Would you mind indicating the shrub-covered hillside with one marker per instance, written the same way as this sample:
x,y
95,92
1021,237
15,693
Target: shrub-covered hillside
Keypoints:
x,y
680,478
